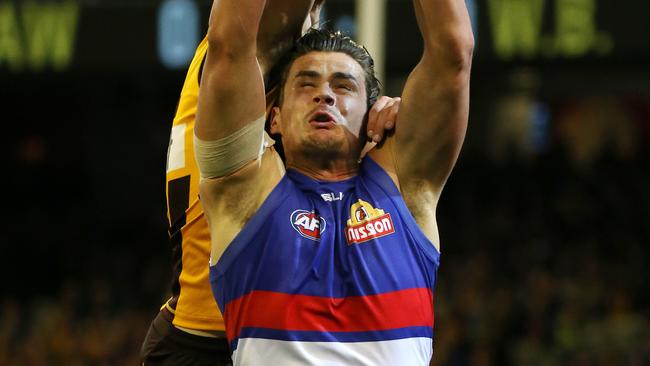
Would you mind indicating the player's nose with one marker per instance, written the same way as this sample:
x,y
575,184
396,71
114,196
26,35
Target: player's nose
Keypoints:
x,y
324,96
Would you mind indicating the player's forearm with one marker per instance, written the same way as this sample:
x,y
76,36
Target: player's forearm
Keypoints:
x,y
315,12
446,30
234,25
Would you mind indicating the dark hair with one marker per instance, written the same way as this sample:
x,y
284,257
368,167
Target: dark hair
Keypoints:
x,y
322,40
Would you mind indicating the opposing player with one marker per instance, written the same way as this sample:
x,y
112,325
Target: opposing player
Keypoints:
x,y
333,260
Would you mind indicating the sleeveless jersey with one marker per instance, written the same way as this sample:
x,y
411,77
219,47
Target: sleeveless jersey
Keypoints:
x,y
329,273
192,302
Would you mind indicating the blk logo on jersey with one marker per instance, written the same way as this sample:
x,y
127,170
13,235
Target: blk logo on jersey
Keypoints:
x,y
367,223
308,224
331,197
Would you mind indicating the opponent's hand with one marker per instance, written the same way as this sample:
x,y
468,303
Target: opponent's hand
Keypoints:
x,y
313,20
382,118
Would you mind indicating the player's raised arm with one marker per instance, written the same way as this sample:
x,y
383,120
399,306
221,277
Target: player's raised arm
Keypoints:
x,y
246,39
435,102
232,88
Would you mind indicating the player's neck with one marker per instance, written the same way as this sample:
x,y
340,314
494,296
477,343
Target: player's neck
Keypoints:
x,y
325,170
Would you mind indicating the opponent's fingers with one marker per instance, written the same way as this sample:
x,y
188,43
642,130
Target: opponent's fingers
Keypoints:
x,y
375,110
386,119
391,114
378,132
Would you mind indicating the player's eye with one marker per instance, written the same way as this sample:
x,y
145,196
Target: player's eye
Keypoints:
x,y
344,87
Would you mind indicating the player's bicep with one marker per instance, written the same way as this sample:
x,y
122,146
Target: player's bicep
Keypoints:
x,y
229,131
432,123
232,89
231,94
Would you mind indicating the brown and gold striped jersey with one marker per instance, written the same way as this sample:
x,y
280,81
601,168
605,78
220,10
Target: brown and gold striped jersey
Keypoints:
x,y
192,302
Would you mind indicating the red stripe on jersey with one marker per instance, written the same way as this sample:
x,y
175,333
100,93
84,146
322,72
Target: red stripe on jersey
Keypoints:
x,y
275,310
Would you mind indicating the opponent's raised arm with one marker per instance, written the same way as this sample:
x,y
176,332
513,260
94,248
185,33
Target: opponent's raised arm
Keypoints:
x,y
284,21
435,102
232,88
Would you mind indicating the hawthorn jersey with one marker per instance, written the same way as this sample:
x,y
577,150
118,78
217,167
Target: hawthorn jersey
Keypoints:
x,y
192,302
329,273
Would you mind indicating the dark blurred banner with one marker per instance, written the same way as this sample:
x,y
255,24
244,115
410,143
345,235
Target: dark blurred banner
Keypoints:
x,y
71,36
530,32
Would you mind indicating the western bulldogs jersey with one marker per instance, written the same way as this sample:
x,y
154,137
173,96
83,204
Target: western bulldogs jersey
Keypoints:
x,y
329,273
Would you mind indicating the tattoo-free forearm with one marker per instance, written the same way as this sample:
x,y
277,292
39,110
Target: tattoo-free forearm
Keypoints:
x,y
281,24
446,29
234,25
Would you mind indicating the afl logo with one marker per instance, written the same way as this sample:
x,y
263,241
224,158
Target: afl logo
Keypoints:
x,y
308,224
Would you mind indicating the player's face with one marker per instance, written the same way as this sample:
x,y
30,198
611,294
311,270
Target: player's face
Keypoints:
x,y
324,105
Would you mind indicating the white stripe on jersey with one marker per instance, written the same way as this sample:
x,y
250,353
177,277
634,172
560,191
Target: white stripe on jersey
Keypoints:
x,y
176,149
403,352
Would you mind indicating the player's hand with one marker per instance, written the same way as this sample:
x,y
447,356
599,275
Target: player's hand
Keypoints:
x,y
382,117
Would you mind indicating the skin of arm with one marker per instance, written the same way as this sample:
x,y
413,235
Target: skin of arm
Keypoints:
x,y
433,112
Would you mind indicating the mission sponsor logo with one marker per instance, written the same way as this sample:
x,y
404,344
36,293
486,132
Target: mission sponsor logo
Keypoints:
x,y
367,223
308,224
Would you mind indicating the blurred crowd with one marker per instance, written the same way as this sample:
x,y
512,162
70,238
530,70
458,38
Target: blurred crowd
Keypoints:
x,y
548,266
60,332
97,316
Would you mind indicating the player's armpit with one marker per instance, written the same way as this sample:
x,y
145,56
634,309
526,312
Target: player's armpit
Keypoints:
x,y
230,201
433,123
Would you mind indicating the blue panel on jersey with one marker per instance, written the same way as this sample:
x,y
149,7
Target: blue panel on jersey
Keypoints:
x,y
283,260
309,336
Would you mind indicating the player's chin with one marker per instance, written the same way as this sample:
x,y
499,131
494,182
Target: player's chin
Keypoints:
x,y
326,140
326,134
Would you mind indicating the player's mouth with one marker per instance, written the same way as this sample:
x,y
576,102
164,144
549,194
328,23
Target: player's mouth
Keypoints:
x,y
322,119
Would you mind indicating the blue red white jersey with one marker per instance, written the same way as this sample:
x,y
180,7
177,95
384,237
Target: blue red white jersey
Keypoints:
x,y
329,273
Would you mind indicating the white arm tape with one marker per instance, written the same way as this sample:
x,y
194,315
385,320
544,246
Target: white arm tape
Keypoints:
x,y
226,155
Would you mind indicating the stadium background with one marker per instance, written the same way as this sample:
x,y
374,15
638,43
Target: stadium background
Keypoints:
x,y
545,222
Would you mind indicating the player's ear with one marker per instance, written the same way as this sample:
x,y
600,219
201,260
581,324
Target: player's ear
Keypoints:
x,y
276,121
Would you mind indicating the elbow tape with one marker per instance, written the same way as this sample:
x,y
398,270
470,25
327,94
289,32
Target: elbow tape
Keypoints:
x,y
226,155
